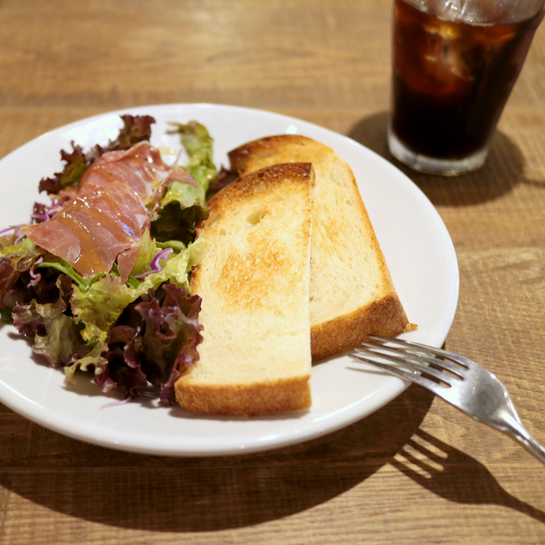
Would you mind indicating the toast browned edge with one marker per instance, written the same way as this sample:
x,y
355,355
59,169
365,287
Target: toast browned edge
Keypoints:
x,y
245,400
259,398
385,316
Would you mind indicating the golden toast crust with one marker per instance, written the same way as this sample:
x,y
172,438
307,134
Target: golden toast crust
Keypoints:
x,y
246,399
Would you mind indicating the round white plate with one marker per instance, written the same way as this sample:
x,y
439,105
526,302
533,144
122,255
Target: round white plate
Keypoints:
x,y
414,239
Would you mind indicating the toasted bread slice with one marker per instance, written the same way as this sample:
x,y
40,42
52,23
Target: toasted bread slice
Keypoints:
x,y
254,282
351,290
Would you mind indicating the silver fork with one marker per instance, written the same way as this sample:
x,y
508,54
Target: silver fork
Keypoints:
x,y
462,382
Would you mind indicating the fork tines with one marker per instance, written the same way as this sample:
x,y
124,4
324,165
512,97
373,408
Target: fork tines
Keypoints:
x,y
424,365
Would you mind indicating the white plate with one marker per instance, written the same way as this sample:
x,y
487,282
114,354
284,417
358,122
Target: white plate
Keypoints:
x,y
414,239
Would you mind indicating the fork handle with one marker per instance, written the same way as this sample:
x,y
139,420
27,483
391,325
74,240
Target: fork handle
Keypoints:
x,y
516,429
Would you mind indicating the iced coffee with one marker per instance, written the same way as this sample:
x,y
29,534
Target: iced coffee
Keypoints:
x,y
451,79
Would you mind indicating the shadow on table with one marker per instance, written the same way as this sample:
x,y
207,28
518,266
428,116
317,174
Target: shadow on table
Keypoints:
x,y
455,476
158,493
502,171
166,494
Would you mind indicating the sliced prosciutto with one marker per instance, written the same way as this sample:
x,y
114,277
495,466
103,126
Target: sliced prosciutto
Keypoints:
x,y
140,167
110,212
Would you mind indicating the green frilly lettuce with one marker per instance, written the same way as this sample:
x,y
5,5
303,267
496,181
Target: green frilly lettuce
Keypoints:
x,y
184,204
22,254
99,307
199,146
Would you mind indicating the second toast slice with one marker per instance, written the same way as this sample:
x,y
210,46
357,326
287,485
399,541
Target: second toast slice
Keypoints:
x,y
351,290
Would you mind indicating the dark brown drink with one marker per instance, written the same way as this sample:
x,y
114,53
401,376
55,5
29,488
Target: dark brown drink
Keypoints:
x,y
452,79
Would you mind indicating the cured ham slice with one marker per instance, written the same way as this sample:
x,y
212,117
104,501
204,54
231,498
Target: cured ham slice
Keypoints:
x,y
109,214
140,167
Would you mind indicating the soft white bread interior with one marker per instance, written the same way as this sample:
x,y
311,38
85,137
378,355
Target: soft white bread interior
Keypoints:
x,y
254,283
351,290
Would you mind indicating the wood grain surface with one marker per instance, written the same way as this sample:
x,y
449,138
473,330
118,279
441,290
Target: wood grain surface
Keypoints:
x,y
416,471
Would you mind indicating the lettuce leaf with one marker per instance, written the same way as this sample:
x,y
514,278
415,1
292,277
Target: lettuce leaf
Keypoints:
x,y
135,129
10,238
16,259
61,344
170,338
98,308
22,255
92,360
200,148
122,370
147,251
223,179
185,194
183,204
8,278
175,221
64,267
76,163
178,267
154,339
55,334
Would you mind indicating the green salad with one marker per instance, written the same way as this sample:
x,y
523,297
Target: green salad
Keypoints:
x,y
98,280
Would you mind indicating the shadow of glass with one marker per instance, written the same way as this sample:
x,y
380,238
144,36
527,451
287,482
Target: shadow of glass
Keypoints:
x,y
455,476
502,171
206,494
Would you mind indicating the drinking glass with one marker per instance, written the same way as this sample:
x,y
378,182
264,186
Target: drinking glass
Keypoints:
x,y
455,63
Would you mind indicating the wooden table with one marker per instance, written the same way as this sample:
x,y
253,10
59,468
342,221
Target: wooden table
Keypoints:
x,y
416,471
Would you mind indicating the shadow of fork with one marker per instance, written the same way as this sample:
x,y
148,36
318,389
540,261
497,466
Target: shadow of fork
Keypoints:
x,y
455,476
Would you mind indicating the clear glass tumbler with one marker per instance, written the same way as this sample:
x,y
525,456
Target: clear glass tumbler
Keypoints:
x,y
455,63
